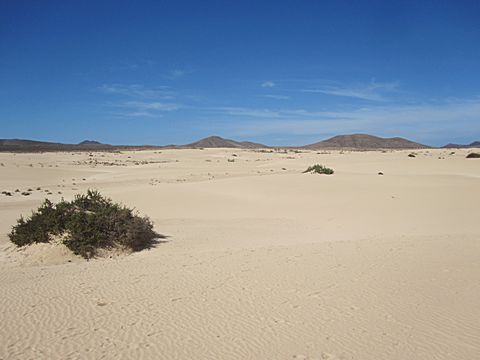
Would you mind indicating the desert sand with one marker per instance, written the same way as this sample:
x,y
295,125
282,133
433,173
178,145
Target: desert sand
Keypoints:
x,y
260,260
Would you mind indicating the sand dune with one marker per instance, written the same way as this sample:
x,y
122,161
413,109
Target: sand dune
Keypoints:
x,y
260,261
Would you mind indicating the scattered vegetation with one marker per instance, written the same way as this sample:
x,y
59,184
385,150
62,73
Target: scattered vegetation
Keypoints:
x,y
473,156
88,223
7,193
412,155
319,169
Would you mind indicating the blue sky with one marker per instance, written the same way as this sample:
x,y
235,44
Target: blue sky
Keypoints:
x,y
277,72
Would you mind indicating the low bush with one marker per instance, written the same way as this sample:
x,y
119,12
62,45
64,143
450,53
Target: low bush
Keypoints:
x,y
319,169
88,223
473,156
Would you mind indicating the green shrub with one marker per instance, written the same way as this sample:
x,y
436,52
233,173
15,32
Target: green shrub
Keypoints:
x,y
88,223
319,169
473,156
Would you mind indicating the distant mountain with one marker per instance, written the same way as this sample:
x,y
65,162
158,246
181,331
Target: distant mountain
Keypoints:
x,y
355,142
453,146
21,145
90,142
21,142
219,142
475,144
364,142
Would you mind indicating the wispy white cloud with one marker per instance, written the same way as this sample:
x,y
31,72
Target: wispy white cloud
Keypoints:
x,y
268,84
276,97
135,114
154,105
139,101
373,91
243,112
427,121
137,91
177,73
151,109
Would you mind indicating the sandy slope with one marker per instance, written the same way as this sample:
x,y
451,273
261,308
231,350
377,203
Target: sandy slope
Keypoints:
x,y
261,261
